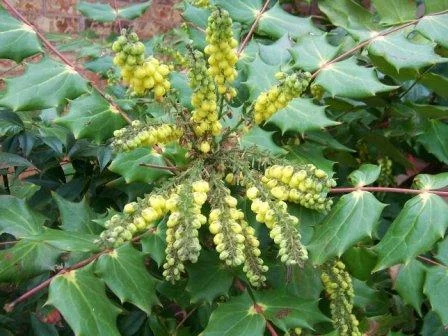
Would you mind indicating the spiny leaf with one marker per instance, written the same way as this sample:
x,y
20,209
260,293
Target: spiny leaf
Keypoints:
x,y
353,218
81,299
43,85
313,51
276,53
196,15
243,11
276,22
310,153
260,77
442,251
301,115
432,6
395,11
348,79
91,116
365,175
66,241
419,225
409,284
11,160
105,13
10,123
435,139
134,11
428,182
436,288
261,139
124,272
17,40
435,28
154,244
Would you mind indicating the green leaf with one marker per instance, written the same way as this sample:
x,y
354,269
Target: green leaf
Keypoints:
x,y
421,222
353,218
66,241
127,164
154,244
442,251
431,182
313,51
365,175
287,311
101,65
97,11
436,289
409,284
276,53
276,22
243,11
196,15
26,259
81,299
237,317
10,123
309,153
260,77
401,53
360,262
435,139
435,28
76,217
432,6
124,272
134,11
17,40
301,115
17,219
348,79
11,160
432,326
208,278
395,11
43,85
262,139
91,116
430,111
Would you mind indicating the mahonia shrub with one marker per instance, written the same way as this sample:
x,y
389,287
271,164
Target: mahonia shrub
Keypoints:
x,y
253,172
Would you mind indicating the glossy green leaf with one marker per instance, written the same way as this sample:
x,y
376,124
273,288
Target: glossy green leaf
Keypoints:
x,y
430,111
237,317
154,244
101,65
435,28
243,11
309,153
348,79
43,85
127,164
360,262
196,15
428,182
124,272
10,123
409,284
353,218
365,175
262,139
208,278
395,11
80,297
432,326
436,289
17,40
301,115
432,6
11,160
97,11
260,77
442,251
66,241
276,22
313,51
276,53
18,219
93,117
418,226
133,11
435,139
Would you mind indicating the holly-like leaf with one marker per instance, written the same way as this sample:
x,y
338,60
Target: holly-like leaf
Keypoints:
x,y
17,40
301,115
260,77
309,153
365,175
348,79
66,241
435,28
17,219
154,244
262,139
237,317
81,299
101,65
442,251
196,15
436,289
134,11
353,218
124,272
409,284
91,116
276,22
435,6
432,326
421,222
97,11
11,160
313,51
43,85
360,262
395,11
276,53
127,164
243,11
435,139
401,53
10,123
431,182
208,278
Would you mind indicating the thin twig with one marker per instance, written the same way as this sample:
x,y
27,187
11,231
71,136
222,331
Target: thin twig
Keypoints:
x,y
252,28
49,46
185,318
387,189
271,328
430,261
149,165
8,242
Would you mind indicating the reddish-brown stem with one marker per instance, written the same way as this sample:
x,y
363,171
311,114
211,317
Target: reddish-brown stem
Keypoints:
x,y
387,189
271,328
430,261
149,165
186,318
116,13
252,28
50,47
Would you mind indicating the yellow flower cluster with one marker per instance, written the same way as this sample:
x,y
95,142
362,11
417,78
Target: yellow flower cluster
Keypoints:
x,y
338,285
221,50
279,96
141,74
182,242
201,3
307,185
283,226
203,99
253,265
139,134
